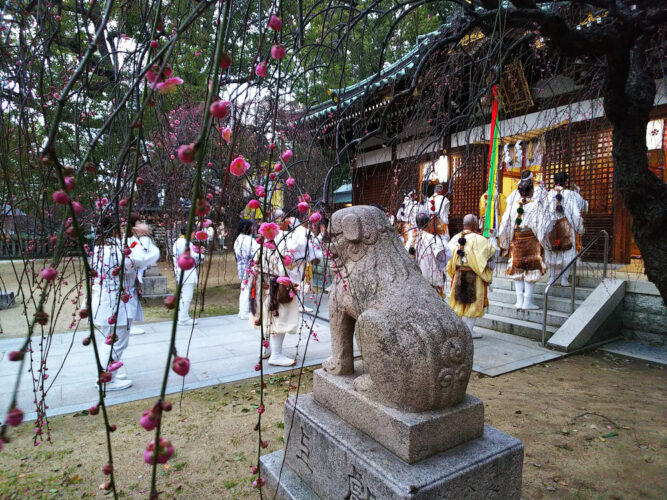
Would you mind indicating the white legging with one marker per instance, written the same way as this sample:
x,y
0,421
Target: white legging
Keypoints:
x,y
117,349
187,291
244,300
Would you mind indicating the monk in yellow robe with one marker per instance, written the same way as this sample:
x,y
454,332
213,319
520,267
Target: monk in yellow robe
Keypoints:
x,y
471,269
500,209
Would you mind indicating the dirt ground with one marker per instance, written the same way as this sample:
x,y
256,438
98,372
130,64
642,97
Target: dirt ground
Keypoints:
x,y
222,290
593,427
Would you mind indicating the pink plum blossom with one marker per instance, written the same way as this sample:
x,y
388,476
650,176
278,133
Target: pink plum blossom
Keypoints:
x,y
220,109
161,454
225,60
260,191
262,69
287,155
169,301
186,261
238,166
49,274
227,134
269,230
201,235
278,51
290,182
15,355
14,417
77,207
287,260
149,419
315,217
303,207
115,366
60,197
186,153
284,280
169,85
275,23
180,365
202,207
253,204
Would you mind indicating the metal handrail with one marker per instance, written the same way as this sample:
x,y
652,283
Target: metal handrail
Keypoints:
x,y
573,263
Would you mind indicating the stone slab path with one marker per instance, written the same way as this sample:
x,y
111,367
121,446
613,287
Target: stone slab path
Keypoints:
x,y
638,350
222,349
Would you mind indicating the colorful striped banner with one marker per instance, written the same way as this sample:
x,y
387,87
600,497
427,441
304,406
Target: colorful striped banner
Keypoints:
x,y
493,167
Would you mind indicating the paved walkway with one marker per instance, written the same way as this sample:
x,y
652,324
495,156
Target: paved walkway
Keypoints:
x,y
222,349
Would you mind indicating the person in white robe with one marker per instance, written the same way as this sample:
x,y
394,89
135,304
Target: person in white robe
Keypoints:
x,y
522,231
143,243
438,209
431,253
190,277
279,280
407,217
111,308
244,249
300,243
561,247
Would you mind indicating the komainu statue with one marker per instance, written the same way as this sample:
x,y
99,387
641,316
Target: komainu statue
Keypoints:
x,y
417,353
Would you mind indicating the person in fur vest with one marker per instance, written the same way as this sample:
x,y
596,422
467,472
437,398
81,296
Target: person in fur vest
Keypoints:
x,y
471,269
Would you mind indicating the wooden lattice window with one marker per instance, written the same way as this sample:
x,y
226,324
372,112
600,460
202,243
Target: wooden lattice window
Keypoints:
x,y
584,152
370,185
469,176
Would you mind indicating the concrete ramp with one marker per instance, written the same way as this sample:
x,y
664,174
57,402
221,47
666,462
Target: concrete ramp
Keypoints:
x,y
597,318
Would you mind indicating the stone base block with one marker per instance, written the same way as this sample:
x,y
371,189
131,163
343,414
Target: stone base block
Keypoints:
x,y
6,300
155,285
410,436
327,458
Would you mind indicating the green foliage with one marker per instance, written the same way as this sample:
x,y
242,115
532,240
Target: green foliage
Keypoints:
x,y
349,49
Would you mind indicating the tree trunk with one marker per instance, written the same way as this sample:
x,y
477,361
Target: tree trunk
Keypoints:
x,y
629,94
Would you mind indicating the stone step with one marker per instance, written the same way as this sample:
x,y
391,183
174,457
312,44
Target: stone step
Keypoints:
x,y
561,304
513,326
582,280
582,291
504,310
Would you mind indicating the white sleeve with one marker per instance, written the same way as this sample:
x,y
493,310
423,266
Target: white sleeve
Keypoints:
x,y
505,228
575,214
151,249
444,210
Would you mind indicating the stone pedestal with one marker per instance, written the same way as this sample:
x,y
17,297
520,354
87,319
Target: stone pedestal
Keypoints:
x,y
327,458
410,436
6,300
340,445
154,287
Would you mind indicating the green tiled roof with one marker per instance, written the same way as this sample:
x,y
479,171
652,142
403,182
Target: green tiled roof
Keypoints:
x,y
390,74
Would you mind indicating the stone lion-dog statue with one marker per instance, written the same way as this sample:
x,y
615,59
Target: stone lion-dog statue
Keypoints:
x,y
416,352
